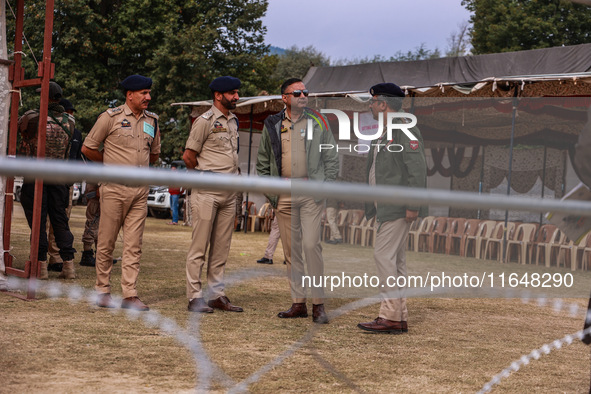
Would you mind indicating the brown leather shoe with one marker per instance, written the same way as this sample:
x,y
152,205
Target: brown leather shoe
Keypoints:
x,y
199,305
296,310
318,314
381,325
105,301
224,304
134,303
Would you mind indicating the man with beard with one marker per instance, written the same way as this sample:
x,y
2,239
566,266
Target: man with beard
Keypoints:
x,y
212,146
405,168
285,151
130,136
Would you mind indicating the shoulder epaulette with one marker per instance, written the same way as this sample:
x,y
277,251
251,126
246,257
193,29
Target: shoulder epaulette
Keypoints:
x,y
207,114
114,111
151,114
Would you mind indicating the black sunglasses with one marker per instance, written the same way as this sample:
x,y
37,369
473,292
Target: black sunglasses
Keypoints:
x,y
298,93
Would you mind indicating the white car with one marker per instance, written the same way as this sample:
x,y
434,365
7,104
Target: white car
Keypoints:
x,y
159,202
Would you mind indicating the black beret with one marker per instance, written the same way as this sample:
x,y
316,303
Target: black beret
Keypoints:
x,y
225,84
136,82
386,89
55,91
67,104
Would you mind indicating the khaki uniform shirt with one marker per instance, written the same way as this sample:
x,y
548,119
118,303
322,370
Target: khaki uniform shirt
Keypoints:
x,y
293,148
127,140
215,139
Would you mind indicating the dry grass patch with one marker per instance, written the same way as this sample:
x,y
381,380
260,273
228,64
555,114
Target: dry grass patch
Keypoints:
x,y
454,345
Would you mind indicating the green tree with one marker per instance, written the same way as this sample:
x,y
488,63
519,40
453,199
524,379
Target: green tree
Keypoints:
x,y
181,44
515,25
295,63
419,53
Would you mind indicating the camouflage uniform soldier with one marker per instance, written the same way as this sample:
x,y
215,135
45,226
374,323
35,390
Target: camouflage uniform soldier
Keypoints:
x,y
59,132
93,217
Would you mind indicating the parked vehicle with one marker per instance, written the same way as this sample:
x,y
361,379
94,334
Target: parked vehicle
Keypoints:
x,y
159,198
18,184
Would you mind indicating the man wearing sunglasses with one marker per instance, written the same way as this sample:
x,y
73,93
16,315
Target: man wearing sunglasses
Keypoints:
x,y
285,151
212,146
404,168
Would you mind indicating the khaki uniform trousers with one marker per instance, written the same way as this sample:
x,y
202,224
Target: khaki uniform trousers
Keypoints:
x,y
93,217
331,218
299,225
122,207
213,216
273,239
390,258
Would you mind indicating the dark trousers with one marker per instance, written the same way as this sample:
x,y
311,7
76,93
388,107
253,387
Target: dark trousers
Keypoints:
x,y
54,203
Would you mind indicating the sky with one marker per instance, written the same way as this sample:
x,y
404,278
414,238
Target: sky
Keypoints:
x,y
347,29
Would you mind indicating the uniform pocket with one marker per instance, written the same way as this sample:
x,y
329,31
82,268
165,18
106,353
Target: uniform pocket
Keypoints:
x,y
147,145
124,137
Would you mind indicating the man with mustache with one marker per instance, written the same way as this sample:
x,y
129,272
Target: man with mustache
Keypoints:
x,y
130,136
285,151
212,146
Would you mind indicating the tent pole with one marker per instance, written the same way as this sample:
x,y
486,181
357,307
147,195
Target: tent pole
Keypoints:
x,y
246,211
481,182
515,101
543,178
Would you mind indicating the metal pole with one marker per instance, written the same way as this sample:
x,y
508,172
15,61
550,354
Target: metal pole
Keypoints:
x,y
481,182
515,102
45,73
543,178
246,212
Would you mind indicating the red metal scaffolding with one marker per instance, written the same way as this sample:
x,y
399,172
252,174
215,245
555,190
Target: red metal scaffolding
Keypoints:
x,y
17,77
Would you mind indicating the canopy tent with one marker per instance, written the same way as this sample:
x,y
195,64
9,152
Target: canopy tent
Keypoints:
x,y
453,97
467,74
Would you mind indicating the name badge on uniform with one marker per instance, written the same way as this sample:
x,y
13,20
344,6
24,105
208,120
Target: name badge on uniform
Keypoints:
x,y
149,129
218,127
125,123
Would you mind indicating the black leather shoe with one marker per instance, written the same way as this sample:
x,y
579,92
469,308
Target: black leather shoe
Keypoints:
x,y
296,310
265,260
224,304
199,305
88,259
318,314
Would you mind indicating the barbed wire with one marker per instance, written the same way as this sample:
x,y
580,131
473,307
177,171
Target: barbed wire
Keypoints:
x,y
208,371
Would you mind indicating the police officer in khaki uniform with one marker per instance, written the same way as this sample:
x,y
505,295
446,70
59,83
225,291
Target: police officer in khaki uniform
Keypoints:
x,y
130,136
401,168
213,147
